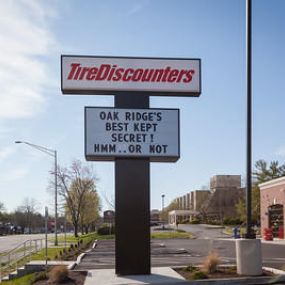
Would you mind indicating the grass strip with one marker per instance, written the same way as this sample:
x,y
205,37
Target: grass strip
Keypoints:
x,y
25,280
170,235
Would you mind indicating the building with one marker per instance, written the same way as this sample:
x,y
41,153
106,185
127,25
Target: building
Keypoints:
x,y
225,181
225,193
180,216
215,204
109,216
154,215
272,201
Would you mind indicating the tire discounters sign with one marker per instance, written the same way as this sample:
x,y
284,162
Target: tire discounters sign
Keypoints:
x,y
133,133
113,75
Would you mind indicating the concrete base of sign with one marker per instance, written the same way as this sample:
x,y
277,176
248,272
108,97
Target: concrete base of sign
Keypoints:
x,y
159,275
248,256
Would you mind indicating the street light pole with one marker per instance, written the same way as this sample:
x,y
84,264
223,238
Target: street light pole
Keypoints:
x,y
55,198
249,117
52,153
162,197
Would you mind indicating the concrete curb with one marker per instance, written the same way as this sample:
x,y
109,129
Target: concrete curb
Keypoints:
x,y
94,244
235,281
81,256
274,270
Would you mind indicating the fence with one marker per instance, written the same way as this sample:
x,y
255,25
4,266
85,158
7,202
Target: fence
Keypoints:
x,y
11,260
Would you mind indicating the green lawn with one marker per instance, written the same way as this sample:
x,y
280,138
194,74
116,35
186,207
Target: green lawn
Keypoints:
x,y
172,234
70,239
25,280
52,252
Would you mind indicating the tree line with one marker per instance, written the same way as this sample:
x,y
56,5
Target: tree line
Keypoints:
x,y
78,198
263,172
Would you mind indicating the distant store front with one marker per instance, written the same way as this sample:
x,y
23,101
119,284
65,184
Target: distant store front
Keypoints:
x,y
272,201
181,216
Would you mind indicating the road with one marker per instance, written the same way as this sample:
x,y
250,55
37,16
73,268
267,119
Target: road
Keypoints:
x,y
10,242
202,231
170,252
178,252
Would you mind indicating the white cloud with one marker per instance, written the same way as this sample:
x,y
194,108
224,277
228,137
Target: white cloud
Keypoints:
x,y
137,7
6,151
25,39
280,151
13,175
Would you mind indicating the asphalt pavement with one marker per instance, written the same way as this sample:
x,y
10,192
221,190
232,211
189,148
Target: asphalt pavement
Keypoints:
x,y
183,252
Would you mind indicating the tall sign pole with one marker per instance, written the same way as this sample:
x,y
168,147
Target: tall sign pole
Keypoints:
x,y
249,119
132,204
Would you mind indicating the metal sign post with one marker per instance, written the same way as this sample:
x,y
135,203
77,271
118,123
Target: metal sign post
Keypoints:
x,y
46,235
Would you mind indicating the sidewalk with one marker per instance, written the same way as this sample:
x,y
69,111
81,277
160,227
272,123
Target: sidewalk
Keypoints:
x,y
168,276
160,275
274,241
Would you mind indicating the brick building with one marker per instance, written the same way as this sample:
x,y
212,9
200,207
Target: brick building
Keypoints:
x,y
272,201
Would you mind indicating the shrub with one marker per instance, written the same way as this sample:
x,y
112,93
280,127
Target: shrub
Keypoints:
x,y
211,262
232,221
106,230
181,231
232,269
199,275
195,222
190,268
58,274
38,276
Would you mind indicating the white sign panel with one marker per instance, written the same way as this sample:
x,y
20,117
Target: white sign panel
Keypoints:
x,y
114,132
111,75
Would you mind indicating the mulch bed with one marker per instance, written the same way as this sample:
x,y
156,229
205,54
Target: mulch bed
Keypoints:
x,y
74,278
221,273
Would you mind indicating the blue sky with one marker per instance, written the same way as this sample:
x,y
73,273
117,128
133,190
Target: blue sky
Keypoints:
x,y
33,35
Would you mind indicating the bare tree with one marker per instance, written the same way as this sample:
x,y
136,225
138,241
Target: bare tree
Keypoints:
x,y
2,212
74,183
164,214
2,208
110,201
25,213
